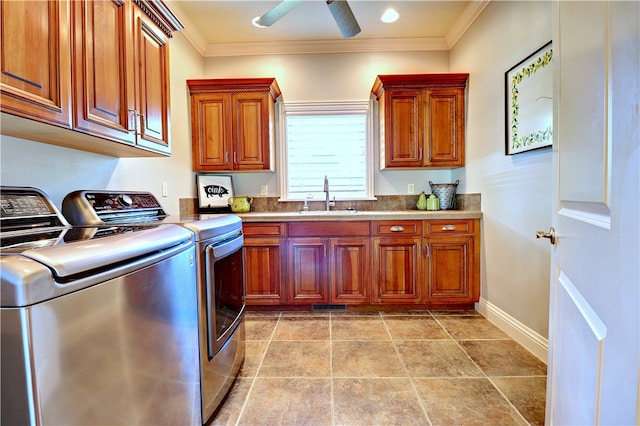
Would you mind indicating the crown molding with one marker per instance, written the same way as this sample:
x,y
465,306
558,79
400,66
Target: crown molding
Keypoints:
x,y
465,20
189,31
470,14
326,46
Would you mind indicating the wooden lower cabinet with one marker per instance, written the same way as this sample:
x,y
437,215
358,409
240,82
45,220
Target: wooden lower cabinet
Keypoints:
x,y
307,267
431,262
397,270
350,270
264,271
265,263
452,261
334,270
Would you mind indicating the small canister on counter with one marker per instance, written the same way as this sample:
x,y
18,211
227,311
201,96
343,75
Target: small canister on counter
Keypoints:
x,y
433,203
421,204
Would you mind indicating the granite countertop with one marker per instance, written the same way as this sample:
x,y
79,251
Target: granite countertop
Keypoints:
x,y
345,215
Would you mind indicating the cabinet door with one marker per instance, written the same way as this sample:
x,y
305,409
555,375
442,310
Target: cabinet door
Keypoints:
x,y
350,270
103,60
36,65
307,271
444,127
397,270
264,271
450,269
251,131
211,131
403,128
151,73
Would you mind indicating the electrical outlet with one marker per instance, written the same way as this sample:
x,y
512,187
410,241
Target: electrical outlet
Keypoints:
x,y
410,188
264,190
165,189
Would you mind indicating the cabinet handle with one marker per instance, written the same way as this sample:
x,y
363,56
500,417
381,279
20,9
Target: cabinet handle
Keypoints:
x,y
420,154
135,120
397,228
235,158
427,250
449,228
226,157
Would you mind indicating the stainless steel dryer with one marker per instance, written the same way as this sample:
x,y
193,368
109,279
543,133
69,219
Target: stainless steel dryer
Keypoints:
x,y
220,278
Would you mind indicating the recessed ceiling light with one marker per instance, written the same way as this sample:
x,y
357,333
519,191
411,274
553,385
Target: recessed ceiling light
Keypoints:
x,y
389,15
254,21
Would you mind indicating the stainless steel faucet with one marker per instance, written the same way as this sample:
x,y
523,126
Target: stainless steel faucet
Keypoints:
x,y
326,192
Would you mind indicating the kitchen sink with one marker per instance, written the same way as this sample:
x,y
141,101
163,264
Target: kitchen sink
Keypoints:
x,y
327,213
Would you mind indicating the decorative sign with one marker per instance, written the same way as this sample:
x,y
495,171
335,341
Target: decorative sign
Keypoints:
x,y
529,103
214,191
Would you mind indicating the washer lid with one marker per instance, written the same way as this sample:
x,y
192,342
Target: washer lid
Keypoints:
x,y
84,256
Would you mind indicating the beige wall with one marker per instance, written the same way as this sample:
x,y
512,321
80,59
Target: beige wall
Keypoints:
x,y
516,198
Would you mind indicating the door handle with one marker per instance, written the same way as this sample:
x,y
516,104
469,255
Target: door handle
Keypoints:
x,y
551,235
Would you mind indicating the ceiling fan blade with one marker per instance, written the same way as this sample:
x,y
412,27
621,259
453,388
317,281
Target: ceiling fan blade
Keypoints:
x,y
344,17
277,12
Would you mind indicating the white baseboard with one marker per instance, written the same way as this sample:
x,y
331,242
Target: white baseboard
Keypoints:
x,y
532,341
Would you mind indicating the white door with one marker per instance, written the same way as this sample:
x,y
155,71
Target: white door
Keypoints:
x,y
594,329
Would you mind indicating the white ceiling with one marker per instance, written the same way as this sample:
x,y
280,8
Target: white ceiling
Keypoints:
x,y
223,28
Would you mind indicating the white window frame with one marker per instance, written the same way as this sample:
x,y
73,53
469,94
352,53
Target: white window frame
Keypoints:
x,y
333,108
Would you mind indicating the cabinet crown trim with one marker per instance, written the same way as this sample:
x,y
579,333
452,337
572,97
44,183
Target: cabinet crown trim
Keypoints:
x,y
161,15
418,81
234,85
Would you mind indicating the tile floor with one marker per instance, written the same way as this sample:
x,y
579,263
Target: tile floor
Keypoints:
x,y
412,368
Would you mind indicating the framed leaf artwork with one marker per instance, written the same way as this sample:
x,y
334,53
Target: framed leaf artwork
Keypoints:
x,y
529,102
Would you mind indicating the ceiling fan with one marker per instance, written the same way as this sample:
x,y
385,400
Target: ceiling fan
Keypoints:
x,y
339,9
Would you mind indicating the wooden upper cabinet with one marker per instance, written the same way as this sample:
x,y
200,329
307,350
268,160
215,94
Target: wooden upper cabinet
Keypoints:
x,y
232,124
122,92
421,119
103,85
36,64
100,68
444,127
151,75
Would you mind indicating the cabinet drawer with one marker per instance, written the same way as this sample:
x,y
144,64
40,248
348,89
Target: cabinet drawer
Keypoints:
x,y
267,229
441,227
397,227
329,229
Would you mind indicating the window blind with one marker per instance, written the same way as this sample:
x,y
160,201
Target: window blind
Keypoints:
x,y
332,145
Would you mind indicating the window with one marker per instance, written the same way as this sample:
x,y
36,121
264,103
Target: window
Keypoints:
x,y
330,140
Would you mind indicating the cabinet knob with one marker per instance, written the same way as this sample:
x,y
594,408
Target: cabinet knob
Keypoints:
x,y
449,228
397,228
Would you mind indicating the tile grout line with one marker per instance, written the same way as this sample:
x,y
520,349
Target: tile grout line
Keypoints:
x,y
332,395
406,372
255,377
482,371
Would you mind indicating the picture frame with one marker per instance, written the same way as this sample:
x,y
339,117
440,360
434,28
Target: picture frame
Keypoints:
x,y
214,192
529,102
